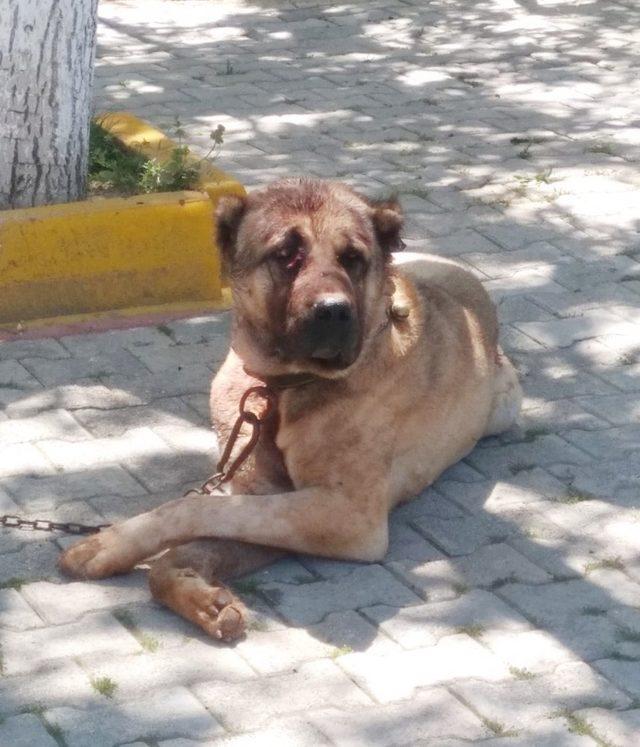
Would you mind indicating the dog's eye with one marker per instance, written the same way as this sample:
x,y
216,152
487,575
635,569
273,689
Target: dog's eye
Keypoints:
x,y
289,256
351,259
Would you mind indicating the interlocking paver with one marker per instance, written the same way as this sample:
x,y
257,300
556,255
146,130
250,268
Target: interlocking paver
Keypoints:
x,y
509,134
165,713
522,703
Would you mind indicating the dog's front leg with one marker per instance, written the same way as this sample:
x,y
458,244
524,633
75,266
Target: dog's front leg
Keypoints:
x,y
318,521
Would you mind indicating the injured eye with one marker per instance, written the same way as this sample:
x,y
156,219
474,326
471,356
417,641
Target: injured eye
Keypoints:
x,y
290,255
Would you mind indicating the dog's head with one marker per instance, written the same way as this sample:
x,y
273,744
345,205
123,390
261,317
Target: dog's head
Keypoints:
x,y
309,267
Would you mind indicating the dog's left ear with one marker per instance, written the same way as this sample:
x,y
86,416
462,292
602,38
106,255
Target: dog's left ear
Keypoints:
x,y
229,214
387,219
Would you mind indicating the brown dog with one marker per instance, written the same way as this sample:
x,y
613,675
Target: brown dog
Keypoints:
x,y
387,373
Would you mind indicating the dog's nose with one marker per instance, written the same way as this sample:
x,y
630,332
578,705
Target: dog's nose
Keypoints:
x,y
332,311
331,329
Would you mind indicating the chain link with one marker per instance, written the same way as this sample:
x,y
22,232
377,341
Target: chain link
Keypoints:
x,y
223,473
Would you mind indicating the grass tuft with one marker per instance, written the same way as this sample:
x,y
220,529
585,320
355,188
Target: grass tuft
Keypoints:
x,y
522,674
614,564
104,686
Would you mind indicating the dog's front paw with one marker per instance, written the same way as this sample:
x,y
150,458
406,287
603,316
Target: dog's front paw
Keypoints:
x,y
99,556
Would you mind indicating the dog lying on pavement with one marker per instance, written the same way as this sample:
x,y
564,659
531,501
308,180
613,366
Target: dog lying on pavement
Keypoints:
x,y
387,371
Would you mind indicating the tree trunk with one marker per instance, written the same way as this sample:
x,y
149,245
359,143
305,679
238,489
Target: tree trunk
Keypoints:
x,y
46,71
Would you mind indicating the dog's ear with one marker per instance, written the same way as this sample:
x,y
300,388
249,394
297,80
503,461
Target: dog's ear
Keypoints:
x,y
387,219
229,214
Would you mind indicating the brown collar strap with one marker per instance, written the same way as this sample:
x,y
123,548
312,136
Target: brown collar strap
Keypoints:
x,y
280,382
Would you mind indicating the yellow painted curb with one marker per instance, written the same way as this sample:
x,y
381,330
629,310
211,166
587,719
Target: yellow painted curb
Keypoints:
x,y
137,254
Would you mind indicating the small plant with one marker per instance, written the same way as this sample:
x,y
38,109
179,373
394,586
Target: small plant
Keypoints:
x,y
580,726
601,147
499,729
341,651
573,495
148,642
517,467
615,564
628,635
13,583
460,588
521,674
114,169
104,686
472,630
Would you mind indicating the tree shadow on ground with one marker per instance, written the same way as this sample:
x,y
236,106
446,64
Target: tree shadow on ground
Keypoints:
x,y
495,139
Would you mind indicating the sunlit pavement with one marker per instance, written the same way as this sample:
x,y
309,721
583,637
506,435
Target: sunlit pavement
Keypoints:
x,y
508,609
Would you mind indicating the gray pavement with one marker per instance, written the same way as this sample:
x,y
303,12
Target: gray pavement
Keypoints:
x,y
508,609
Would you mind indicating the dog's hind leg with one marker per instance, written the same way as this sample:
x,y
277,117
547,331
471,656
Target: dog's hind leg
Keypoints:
x,y
507,397
188,579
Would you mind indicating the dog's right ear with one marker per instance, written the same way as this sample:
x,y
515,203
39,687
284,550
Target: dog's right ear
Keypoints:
x,y
229,214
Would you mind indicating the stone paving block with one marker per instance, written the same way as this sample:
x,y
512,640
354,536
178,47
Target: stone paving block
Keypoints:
x,y
603,442
46,348
624,674
291,733
15,612
431,503
606,479
170,411
66,370
25,651
364,586
55,684
490,566
31,561
561,416
85,393
396,676
14,375
619,409
528,652
140,446
316,684
56,489
23,459
505,461
479,612
526,487
575,611
274,651
519,704
551,732
406,544
617,728
501,264
560,333
164,713
144,389
52,424
92,343
158,668
25,730
432,714
176,358
62,603
463,535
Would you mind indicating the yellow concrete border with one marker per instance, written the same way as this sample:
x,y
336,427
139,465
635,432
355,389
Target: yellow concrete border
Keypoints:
x,y
136,255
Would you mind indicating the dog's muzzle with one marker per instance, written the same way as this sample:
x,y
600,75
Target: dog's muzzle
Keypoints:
x,y
330,333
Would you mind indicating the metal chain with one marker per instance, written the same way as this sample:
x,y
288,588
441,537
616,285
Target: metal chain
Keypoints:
x,y
222,474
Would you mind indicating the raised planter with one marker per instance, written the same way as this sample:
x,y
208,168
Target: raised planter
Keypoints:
x,y
135,255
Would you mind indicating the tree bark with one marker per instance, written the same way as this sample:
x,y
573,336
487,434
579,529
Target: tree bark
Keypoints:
x,y
47,51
